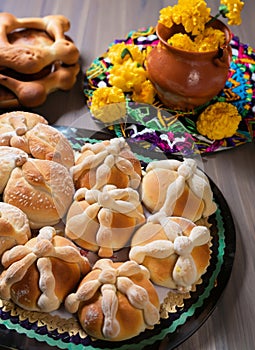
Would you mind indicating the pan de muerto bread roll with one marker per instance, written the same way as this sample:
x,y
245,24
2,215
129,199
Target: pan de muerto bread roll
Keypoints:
x,y
10,158
40,274
108,162
173,249
104,221
177,188
26,58
43,189
31,133
14,227
14,125
45,142
115,301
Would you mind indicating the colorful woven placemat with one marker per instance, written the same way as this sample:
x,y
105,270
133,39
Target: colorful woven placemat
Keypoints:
x,y
175,131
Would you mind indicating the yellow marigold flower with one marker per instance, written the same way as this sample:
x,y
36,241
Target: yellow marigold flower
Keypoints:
x,y
218,121
145,94
166,16
210,40
192,14
127,76
108,104
234,11
118,53
183,42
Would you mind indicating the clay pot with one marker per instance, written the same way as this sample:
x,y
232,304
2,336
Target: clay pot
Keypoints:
x,y
183,79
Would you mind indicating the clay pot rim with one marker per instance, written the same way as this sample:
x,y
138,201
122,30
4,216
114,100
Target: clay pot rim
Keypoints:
x,y
225,29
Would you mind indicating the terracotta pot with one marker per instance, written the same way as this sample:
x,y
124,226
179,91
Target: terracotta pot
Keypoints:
x,y
185,79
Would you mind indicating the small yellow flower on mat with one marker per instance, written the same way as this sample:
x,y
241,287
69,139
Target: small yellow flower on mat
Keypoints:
x,y
145,94
108,104
127,76
118,53
218,121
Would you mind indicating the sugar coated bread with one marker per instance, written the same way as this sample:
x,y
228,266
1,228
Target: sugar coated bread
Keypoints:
x,y
10,158
40,274
14,125
14,227
177,188
43,189
104,220
115,301
108,162
46,142
173,249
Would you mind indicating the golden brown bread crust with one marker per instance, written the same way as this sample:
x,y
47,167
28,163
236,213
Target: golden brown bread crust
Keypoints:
x,y
14,227
154,190
39,275
34,56
43,189
162,265
124,170
104,221
35,60
113,283
45,142
177,188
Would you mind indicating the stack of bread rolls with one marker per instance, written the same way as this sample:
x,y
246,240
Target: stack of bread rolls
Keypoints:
x,y
36,58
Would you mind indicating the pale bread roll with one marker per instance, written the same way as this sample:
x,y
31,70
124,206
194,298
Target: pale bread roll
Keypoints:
x,y
43,189
40,274
103,221
14,125
108,162
115,301
14,227
175,251
46,142
177,188
10,158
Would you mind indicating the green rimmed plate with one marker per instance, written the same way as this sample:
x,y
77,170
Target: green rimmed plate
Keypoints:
x,y
21,329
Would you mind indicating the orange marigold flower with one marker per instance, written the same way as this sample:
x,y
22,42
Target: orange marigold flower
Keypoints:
x,y
218,121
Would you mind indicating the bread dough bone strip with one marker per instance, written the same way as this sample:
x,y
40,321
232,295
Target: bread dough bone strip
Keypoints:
x,y
34,93
30,59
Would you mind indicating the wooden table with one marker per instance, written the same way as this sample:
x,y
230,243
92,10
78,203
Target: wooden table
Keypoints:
x,y
94,25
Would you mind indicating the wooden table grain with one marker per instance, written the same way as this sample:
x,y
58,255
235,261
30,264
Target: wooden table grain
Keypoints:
x,y
94,25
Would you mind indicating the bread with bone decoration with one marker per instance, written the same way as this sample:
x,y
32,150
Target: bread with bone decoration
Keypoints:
x,y
177,188
43,189
115,301
39,275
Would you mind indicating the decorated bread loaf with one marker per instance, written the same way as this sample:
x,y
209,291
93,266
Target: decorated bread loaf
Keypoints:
x,y
36,58
31,133
43,189
14,227
174,249
108,162
10,158
115,301
40,274
177,188
104,220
